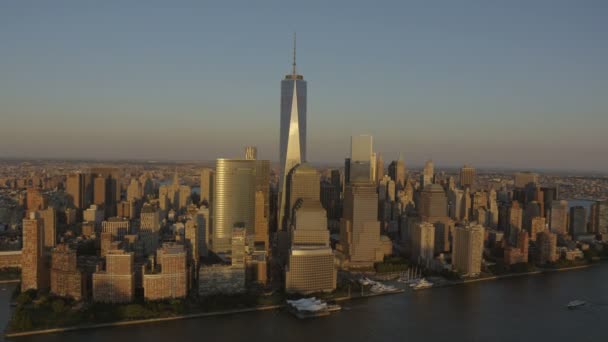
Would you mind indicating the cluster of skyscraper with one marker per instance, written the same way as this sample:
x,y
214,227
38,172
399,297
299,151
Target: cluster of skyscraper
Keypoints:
x,y
252,229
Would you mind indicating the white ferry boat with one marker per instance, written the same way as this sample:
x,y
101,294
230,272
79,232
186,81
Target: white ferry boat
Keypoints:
x,y
576,303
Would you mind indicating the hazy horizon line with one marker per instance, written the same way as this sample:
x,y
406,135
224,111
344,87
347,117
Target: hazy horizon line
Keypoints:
x,y
331,164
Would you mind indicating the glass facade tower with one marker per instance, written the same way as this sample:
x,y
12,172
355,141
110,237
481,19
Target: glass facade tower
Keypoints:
x,y
293,129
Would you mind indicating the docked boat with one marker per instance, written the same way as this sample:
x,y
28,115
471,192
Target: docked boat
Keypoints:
x,y
421,284
575,304
311,308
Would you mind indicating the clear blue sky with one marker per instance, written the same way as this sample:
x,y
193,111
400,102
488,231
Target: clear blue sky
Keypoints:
x,y
491,83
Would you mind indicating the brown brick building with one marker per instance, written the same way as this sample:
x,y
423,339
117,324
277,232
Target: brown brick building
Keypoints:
x,y
116,283
34,264
35,199
66,279
169,277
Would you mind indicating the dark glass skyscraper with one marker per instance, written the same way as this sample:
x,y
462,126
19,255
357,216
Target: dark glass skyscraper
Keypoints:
x,y
293,127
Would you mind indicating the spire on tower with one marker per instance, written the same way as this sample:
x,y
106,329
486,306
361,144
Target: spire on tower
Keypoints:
x,y
294,54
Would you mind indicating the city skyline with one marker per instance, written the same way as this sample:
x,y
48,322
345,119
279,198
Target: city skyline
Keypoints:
x,y
488,92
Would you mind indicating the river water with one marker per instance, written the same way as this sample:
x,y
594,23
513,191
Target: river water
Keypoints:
x,y
517,309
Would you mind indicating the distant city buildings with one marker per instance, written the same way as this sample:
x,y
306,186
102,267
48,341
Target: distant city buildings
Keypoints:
x,y
524,179
467,176
134,232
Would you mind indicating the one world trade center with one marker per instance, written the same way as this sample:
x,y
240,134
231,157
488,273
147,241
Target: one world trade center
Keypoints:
x,y
293,128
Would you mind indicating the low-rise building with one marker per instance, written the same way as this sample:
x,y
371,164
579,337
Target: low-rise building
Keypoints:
x,y
218,278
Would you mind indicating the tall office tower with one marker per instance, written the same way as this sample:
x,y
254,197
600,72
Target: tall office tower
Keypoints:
x,y
262,198
106,188
76,189
423,242
599,217
538,196
468,249
522,179
134,190
311,266
251,153
559,217
147,185
516,215
207,183
390,191
192,242
336,179
116,283
433,208
49,220
346,172
168,278
493,208
433,202
35,199
428,174
330,199
293,128
261,235
467,176
34,271
538,225
546,247
455,204
99,190
233,200
204,230
303,182
467,204
578,221
361,149
379,167
397,172
372,163
360,244
183,197
532,210
66,279
549,195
